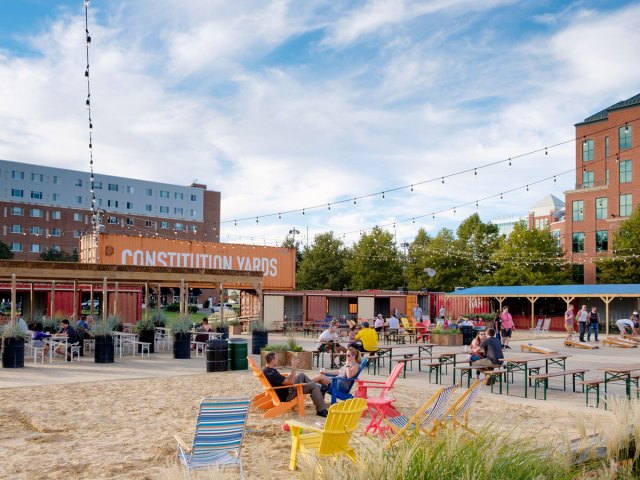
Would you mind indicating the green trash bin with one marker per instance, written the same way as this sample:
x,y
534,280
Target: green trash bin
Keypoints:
x,y
238,354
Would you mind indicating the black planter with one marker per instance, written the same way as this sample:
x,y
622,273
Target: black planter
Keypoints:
x,y
224,331
148,336
217,356
12,352
104,352
182,345
259,339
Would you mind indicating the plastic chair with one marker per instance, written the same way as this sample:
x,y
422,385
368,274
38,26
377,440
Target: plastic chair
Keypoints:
x,y
340,387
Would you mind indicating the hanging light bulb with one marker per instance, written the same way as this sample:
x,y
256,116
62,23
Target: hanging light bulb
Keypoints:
x,y
279,216
527,188
546,152
412,188
443,180
500,196
328,206
414,221
383,195
303,211
554,179
509,161
354,201
235,223
256,219
475,172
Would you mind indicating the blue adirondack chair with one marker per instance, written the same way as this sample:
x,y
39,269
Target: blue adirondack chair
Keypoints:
x,y
340,387
219,432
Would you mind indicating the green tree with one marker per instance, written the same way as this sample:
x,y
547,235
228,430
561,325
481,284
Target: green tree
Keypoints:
x,y
441,255
289,242
417,261
5,251
529,257
624,265
54,255
475,244
375,262
323,264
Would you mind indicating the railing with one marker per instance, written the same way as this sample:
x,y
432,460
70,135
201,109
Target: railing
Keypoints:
x,y
594,184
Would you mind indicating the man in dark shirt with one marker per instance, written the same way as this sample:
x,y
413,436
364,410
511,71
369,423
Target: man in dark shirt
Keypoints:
x,y
493,353
276,379
69,332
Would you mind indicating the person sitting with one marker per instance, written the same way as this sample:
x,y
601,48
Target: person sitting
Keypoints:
x,y
82,323
494,358
348,370
394,324
378,325
38,337
204,325
68,331
366,340
276,379
475,351
328,342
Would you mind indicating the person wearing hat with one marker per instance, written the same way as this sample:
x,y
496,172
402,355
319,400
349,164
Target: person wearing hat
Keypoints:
x,y
366,340
636,322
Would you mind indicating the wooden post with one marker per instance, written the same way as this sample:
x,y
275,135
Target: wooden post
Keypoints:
x,y
182,298
104,301
261,306
52,302
500,300
91,300
13,299
607,301
146,301
222,304
158,300
115,300
75,299
31,299
533,302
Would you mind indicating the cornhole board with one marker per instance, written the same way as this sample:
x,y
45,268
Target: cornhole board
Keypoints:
x,y
632,338
585,345
536,349
619,342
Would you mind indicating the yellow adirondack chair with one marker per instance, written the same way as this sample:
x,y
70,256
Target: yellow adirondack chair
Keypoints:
x,y
269,400
333,439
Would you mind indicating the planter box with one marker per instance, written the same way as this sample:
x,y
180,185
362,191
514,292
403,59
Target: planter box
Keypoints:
x,y
305,359
235,329
447,340
281,359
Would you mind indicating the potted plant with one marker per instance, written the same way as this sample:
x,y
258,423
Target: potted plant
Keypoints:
x,y
294,350
259,336
181,331
446,337
280,351
234,326
146,331
13,338
104,345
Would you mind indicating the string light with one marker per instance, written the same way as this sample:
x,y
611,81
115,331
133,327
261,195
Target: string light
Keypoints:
x,y
383,195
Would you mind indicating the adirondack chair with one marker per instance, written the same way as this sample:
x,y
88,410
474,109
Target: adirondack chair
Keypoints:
x,y
363,386
333,439
460,408
218,437
425,420
269,400
538,327
340,387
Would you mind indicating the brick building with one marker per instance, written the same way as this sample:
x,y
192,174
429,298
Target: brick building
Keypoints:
x,y
50,208
607,184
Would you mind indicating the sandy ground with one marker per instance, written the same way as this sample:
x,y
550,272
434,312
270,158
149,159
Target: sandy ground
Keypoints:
x,y
90,421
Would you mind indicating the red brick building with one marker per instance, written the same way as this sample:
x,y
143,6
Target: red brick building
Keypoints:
x,y
607,187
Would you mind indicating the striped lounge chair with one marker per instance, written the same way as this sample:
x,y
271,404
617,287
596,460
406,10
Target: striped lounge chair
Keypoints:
x,y
219,432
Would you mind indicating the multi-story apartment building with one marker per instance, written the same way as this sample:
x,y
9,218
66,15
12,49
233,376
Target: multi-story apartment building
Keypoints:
x,y
50,208
607,183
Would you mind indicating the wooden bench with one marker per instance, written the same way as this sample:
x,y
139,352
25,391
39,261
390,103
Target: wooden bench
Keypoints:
x,y
467,370
410,358
544,379
593,385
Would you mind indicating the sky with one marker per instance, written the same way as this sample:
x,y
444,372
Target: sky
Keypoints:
x,y
289,105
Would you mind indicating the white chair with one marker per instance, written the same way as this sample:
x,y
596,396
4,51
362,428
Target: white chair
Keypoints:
x,y
74,351
538,328
161,341
545,325
37,352
89,344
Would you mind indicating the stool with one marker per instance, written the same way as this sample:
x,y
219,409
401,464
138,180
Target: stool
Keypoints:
x,y
38,352
144,348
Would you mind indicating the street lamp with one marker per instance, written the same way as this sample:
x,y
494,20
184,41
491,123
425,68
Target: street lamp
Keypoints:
x,y
294,232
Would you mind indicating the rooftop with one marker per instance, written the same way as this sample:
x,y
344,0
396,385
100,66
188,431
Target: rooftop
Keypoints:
x,y
604,114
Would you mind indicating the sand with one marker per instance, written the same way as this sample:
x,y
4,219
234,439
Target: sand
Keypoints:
x,y
74,421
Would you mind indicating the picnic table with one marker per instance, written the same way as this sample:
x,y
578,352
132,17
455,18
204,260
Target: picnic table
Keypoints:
x,y
519,362
387,352
619,373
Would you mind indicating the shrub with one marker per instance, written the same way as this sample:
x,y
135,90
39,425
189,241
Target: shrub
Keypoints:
x,y
173,307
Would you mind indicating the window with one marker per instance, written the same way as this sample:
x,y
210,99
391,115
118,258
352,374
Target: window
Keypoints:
x,y
55,232
625,171
57,180
35,248
179,227
164,224
112,203
17,175
78,199
36,212
37,177
55,197
194,212
587,150
606,147
587,179
178,211
36,195
193,228
97,185
78,182
148,207
129,189
577,273
17,192
164,209
624,137
77,217
17,211
194,197
606,176
129,205
55,215
112,187
164,194
602,240
36,230
148,223
556,235
601,208
16,229
577,245
578,210
149,192
113,220
625,205
178,196
77,233
55,248
16,247
129,221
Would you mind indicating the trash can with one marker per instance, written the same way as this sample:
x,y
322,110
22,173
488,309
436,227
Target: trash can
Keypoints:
x,y
13,352
238,354
259,339
467,334
217,356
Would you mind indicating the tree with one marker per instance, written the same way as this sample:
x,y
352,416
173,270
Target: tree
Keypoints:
x,y
529,257
440,254
5,251
323,264
55,255
624,265
417,261
475,245
375,262
289,242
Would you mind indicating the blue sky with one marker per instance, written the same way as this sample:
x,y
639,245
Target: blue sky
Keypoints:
x,y
283,105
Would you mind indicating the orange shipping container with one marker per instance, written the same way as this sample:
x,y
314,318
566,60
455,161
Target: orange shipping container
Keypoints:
x,y
277,264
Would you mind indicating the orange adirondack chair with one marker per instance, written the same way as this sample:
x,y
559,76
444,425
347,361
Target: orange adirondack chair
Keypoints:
x,y
269,400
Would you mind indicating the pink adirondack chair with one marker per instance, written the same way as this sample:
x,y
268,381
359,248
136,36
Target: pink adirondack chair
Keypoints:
x,y
363,386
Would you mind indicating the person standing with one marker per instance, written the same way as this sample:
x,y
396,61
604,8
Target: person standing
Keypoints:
x,y
569,318
417,313
623,324
441,313
583,317
636,322
594,323
507,327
